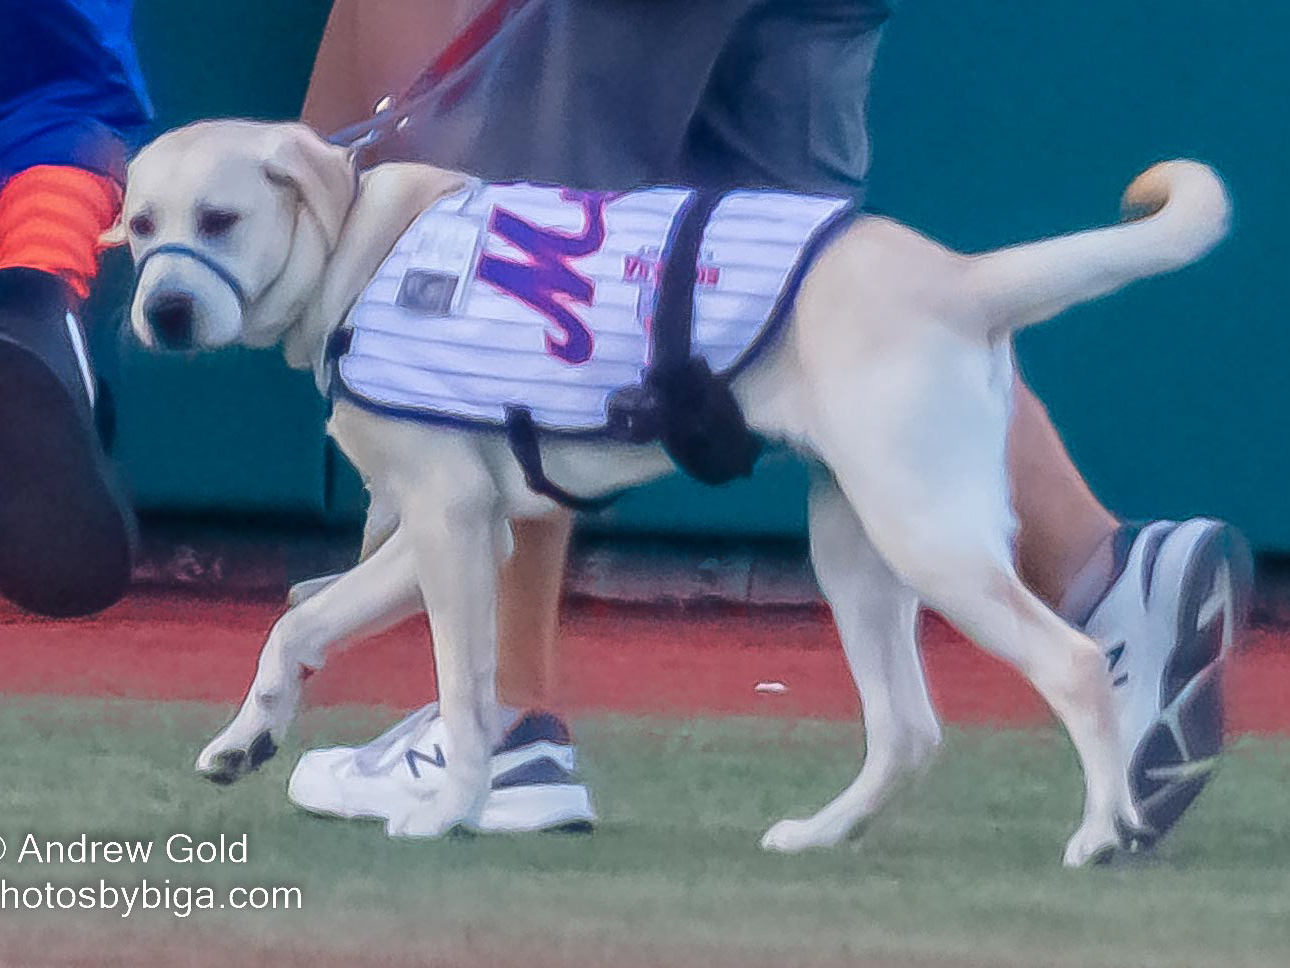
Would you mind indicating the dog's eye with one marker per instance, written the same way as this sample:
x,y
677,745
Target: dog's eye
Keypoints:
x,y
214,222
142,226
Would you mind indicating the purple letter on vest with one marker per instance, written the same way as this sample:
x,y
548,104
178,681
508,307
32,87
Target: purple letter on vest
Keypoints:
x,y
544,280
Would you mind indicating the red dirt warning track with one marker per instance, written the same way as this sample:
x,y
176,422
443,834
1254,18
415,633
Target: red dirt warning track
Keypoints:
x,y
626,659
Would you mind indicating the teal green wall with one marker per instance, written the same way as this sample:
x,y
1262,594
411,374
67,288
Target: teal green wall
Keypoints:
x,y
1171,395
993,121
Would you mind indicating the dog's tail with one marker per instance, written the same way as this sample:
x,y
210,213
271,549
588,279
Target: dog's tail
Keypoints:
x,y
1174,213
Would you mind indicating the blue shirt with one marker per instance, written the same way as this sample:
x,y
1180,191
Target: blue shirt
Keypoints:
x,y
71,91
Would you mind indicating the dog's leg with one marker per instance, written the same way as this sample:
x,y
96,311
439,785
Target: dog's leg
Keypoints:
x,y
371,596
381,521
954,552
459,541
876,618
986,600
918,446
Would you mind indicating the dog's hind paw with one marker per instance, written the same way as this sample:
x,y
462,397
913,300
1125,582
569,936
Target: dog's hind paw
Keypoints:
x,y
1092,844
792,836
223,766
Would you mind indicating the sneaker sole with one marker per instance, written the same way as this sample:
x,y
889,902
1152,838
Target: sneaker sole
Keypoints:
x,y
550,808
556,808
68,535
1179,752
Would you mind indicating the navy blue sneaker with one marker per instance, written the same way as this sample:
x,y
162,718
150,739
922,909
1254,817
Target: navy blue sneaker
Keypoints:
x,y
67,534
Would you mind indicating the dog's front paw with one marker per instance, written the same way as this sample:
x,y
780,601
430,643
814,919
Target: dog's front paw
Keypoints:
x,y
247,743
251,739
792,836
226,762
449,810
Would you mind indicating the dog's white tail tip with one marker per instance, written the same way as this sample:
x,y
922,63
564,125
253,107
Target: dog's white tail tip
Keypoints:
x,y
1175,213
1191,196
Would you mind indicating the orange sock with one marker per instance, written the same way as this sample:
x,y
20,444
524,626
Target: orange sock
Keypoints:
x,y
51,217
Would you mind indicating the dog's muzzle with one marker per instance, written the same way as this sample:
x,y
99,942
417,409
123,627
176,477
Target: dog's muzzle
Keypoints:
x,y
170,314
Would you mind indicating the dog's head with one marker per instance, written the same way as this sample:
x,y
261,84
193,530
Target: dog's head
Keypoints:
x,y
230,224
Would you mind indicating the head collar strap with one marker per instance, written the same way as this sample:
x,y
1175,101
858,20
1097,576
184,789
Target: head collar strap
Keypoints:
x,y
224,275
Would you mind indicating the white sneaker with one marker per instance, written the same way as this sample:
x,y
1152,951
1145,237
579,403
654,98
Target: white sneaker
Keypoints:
x,y
534,783
1166,623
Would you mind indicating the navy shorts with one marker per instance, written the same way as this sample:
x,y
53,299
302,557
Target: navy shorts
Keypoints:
x,y
609,94
71,92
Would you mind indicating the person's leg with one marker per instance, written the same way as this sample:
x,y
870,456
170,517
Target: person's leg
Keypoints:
x,y
592,94
545,111
1061,525
634,140
786,103
66,532
529,620
1166,600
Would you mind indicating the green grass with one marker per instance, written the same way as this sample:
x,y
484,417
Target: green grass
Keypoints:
x,y
962,870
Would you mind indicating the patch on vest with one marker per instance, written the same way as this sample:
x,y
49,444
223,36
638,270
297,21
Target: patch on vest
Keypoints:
x,y
541,297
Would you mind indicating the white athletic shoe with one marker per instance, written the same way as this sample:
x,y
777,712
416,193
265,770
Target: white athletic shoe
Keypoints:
x,y
534,783
1171,616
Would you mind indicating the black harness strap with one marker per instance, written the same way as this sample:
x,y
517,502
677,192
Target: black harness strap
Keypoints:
x,y
521,435
680,402
671,330
697,418
637,415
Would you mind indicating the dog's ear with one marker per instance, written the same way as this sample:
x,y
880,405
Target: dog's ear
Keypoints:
x,y
114,236
324,175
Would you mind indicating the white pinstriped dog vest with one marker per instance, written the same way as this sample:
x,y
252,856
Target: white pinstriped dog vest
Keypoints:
x,y
517,295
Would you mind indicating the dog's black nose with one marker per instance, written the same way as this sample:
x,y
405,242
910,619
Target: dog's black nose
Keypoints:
x,y
170,316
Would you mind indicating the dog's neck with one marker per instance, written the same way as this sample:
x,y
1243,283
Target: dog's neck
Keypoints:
x,y
389,199
288,299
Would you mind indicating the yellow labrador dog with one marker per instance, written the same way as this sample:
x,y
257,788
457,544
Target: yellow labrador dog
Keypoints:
x,y
893,372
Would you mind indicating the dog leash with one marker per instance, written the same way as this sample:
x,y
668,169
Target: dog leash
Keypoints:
x,y
431,85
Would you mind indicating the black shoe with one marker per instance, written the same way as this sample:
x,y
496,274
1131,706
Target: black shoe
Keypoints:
x,y
67,535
